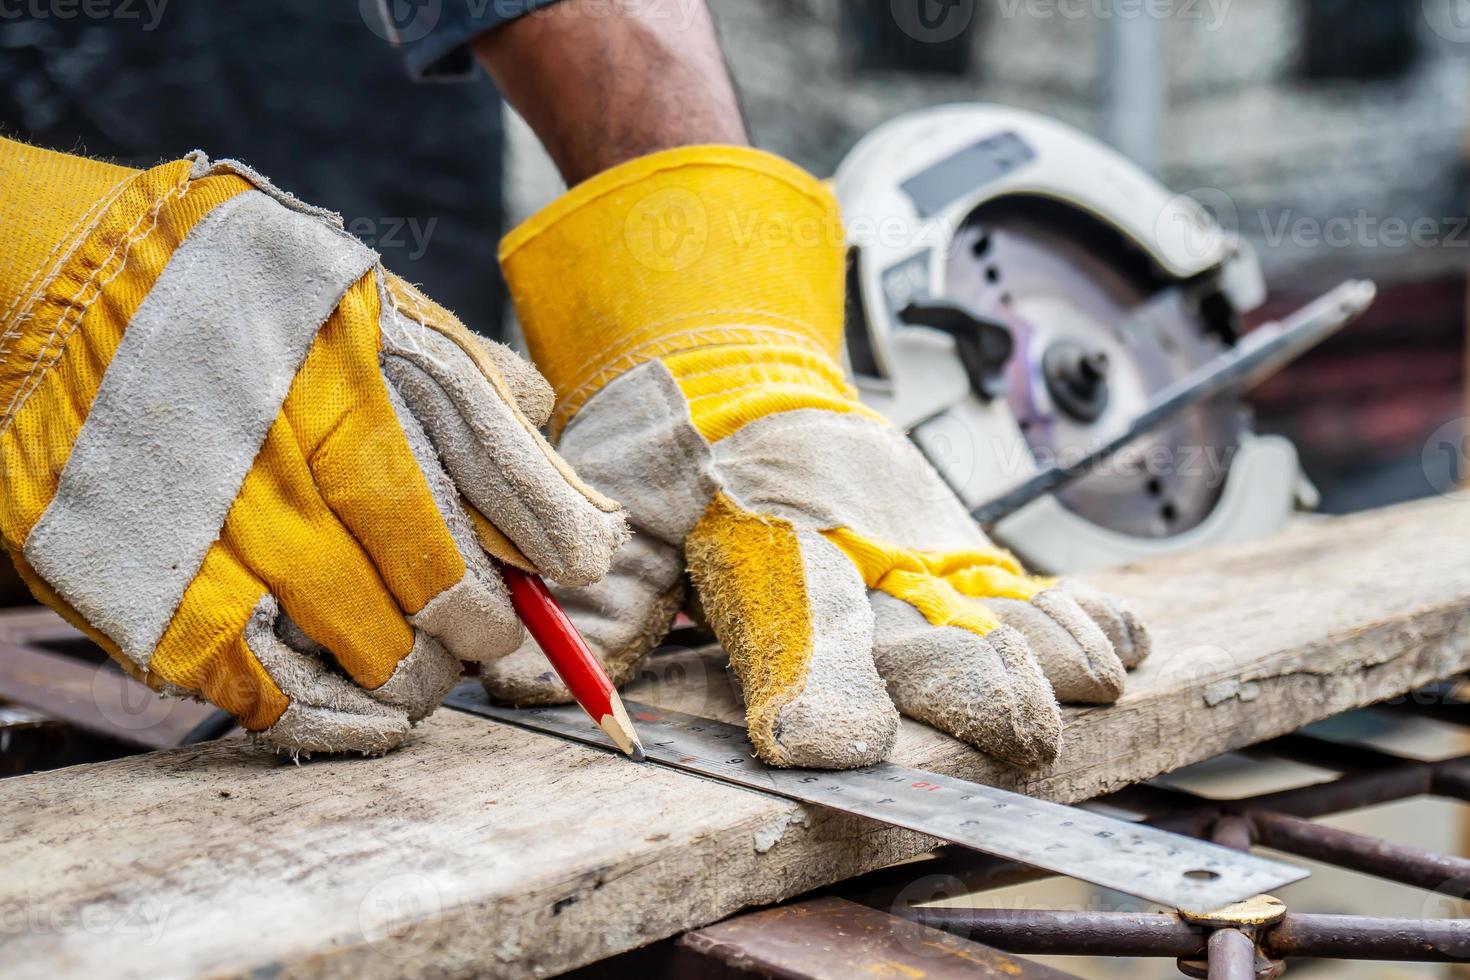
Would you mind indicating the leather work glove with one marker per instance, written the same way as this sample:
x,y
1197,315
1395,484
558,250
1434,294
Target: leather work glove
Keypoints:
x,y
255,466
687,307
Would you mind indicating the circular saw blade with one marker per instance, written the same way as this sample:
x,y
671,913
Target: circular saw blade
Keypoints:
x,y
1063,285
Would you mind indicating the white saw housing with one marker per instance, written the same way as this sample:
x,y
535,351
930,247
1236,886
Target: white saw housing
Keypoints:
x,y
1084,257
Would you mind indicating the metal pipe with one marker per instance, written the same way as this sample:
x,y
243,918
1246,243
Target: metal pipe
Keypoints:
x,y
1452,778
1351,792
1326,754
1440,702
1135,86
1342,937
1154,801
908,882
1069,933
1232,955
1360,852
1233,831
1351,937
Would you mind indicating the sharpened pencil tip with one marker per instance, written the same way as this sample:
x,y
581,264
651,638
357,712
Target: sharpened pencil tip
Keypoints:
x,y
623,734
619,728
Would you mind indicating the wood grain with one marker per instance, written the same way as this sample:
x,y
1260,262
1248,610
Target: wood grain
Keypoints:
x,y
473,850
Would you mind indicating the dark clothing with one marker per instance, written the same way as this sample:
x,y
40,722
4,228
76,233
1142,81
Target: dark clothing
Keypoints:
x,y
309,94
433,34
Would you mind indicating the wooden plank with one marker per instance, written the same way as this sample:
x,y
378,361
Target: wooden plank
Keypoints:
x,y
475,851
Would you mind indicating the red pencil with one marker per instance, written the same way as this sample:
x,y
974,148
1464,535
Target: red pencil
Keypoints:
x,y
569,655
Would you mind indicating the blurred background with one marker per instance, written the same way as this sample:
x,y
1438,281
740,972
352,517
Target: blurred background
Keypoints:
x,y
1332,134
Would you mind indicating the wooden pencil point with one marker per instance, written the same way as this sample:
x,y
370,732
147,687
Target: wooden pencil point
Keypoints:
x,y
619,728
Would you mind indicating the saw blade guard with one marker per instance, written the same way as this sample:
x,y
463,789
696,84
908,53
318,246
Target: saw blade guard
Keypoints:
x,y
1110,287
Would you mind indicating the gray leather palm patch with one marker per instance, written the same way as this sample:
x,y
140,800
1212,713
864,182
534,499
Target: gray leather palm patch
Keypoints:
x,y
183,409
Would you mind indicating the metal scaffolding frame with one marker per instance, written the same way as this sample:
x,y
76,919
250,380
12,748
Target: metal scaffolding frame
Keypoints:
x,y
1256,938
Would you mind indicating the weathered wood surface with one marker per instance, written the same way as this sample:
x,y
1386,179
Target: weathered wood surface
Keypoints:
x,y
478,850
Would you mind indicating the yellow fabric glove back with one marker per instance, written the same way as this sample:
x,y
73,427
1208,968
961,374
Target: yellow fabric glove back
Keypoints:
x,y
688,309
253,464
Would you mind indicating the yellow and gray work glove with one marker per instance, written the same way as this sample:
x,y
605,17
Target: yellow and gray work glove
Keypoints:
x,y
254,465
688,309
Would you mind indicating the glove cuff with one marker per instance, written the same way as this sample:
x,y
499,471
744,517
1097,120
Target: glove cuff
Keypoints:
x,y
688,248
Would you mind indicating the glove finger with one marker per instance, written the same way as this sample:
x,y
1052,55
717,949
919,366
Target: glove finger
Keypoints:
x,y
622,617
498,461
417,686
985,688
474,618
226,643
531,392
421,680
793,614
1072,649
375,469
947,659
1126,631
326,712
286,535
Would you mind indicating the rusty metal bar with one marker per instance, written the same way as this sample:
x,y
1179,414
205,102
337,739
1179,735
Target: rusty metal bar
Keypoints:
x,y
1382,778
828,937
1155,802
1359,852
101,700
1187,813
1233,831
1068,933
1063,933
1344,757
1439,702
1452,779
910,882
1350,792
38,627
1232,955
1351,937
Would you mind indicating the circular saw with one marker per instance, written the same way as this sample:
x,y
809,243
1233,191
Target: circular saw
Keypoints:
x,y
1037,311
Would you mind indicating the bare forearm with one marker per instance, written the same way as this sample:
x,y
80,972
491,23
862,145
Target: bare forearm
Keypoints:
x,y
601,87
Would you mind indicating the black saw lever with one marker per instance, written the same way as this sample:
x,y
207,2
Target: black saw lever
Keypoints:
x,y
984,344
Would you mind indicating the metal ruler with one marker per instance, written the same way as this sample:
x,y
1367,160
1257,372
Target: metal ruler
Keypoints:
x,y
1169,869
